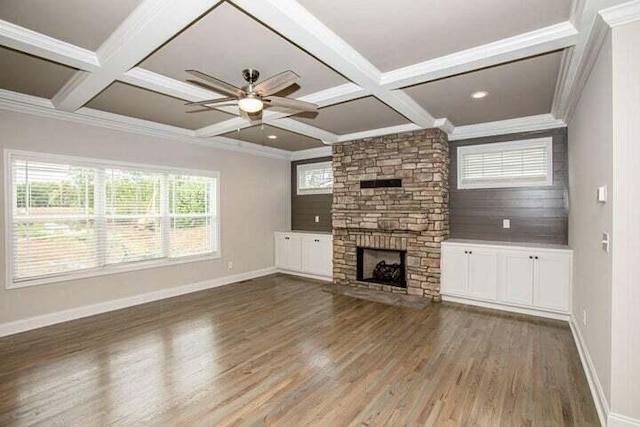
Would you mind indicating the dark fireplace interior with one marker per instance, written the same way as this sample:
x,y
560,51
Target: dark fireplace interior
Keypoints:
x,y
383,266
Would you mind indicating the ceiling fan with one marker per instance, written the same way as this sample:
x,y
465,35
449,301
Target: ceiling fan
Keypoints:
x,y
251,98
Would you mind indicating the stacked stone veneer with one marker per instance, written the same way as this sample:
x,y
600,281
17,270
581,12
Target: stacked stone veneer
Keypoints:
x,y
414,217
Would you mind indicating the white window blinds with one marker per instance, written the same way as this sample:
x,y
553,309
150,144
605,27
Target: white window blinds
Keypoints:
x,y
74,216
506,164
315,178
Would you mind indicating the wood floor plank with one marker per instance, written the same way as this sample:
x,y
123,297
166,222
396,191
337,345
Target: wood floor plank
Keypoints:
x,y
279,351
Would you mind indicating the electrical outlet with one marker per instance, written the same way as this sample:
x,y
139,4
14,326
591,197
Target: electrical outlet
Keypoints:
x,y
317,218
584,317
606,242
230,265
506,223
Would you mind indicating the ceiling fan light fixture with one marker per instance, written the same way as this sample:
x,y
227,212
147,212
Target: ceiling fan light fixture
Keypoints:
x,y
250,104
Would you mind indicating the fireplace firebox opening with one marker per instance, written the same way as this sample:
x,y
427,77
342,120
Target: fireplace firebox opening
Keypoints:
x,y
382,266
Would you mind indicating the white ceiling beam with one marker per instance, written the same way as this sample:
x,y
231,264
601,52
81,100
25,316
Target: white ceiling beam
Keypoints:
x,y
37,44
294,22
149,26
323,98
166,85
525,45
303,129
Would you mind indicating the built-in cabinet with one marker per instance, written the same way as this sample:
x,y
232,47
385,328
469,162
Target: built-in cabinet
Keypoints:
x,y
535,278
304,253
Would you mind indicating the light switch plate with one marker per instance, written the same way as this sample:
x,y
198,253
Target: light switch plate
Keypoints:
x,y
602,194
506,223
317,218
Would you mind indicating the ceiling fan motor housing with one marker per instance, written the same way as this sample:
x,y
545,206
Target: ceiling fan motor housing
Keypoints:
x,y
251,75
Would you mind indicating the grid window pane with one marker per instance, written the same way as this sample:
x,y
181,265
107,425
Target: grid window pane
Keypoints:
x,y
73,216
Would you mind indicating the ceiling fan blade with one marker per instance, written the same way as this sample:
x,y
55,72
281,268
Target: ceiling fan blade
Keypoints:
x,y
276,83
213,101
292,104
214,84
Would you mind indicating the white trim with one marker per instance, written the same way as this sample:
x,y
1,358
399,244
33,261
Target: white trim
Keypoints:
x,y
102,269
34,43
504,127
307,275
506,307
497,147
525,45
599,398
36,322
21,103
311,153
621,14
617,420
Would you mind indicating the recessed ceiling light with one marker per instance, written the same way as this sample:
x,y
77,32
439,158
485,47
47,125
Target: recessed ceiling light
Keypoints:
x,y
479,95
272,136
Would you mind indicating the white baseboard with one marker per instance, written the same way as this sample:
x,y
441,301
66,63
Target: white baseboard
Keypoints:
x,y
309,276
506,307
616,420
36,322
597,392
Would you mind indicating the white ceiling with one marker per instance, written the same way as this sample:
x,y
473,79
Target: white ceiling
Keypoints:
x,y
352,57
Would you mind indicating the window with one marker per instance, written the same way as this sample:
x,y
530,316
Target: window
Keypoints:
x,y
315,178
71,217
506,164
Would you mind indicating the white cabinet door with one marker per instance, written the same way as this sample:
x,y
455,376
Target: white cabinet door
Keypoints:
x,y
289,252
317,255
552,278
483,273
455,270
518,278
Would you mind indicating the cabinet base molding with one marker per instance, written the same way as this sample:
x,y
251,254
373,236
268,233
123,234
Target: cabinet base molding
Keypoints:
x,y
308,276
505,307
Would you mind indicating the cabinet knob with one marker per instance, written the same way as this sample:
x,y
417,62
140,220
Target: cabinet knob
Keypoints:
x,y
536,257
286,238
530,257
316,240
470,252
466,252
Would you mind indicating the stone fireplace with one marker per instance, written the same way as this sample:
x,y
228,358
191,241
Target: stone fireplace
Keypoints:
x,y
390,212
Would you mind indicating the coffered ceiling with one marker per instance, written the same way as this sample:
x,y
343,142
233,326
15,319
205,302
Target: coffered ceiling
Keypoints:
x,y
373,67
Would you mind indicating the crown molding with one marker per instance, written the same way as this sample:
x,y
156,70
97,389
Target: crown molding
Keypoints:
x,y
34,43
21,103
536,42
311,153
503,127
408,127
621,14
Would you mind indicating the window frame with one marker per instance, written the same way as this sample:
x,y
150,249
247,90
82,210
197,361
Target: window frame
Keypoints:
x,y
108,269
504,146
309,166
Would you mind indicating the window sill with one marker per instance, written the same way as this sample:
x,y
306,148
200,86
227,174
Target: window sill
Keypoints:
x,y
115,269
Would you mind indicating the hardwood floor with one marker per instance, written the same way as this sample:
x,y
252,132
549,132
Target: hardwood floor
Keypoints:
x,y
279,351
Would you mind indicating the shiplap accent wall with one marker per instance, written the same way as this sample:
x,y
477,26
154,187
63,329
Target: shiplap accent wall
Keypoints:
x,y
537,214
304,208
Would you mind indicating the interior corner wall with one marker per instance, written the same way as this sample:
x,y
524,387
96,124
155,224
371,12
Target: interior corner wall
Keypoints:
x,y
625,331
591,166
254,194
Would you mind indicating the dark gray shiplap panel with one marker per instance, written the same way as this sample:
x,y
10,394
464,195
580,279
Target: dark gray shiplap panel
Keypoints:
x,y
537,214
305,208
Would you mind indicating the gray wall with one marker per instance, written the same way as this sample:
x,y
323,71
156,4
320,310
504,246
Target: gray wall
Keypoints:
x,y
537,214
305,208
254,196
